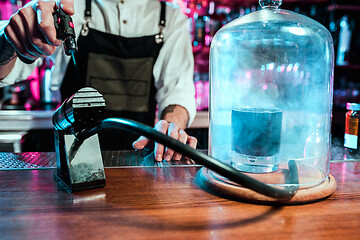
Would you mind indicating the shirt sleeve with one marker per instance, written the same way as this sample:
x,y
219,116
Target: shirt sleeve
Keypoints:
x,y
173,70
20,72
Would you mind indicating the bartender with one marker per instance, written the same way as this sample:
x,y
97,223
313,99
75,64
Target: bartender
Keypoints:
x,y
137,53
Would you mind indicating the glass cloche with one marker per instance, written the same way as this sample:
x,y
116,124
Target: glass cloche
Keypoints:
x,y
271,86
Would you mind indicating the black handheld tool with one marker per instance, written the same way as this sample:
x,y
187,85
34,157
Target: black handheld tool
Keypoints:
x,y
64,31
79,163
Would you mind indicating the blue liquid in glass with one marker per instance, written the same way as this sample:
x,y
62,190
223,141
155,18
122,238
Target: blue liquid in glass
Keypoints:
x,y
256,131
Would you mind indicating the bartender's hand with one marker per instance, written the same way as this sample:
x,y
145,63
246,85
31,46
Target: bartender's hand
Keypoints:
x,y
31,30
173,124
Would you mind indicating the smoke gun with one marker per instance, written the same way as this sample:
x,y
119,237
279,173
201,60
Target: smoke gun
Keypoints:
x,y
79,162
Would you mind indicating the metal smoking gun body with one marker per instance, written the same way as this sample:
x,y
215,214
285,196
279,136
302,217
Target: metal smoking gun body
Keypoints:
x,y
65,31
79,162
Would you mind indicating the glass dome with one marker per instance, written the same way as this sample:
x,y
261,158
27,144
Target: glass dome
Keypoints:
x,y
271,86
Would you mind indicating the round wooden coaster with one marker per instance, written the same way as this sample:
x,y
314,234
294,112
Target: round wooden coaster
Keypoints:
x,y
222,186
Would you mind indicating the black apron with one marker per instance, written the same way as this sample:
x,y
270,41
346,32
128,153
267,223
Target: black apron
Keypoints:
x,y
121,69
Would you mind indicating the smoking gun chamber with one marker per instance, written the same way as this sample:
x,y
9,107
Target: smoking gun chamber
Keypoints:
x,y
79,163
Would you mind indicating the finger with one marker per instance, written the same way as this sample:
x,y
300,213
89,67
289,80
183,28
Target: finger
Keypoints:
x,y
182,138
13,37
21,25
40,43
67,6
189,161
45,21
141,142
173,131
192,142
39,46
162,127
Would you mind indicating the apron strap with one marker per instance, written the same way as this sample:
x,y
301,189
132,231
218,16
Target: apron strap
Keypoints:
x,y
159,38
85,27
88,9
162,14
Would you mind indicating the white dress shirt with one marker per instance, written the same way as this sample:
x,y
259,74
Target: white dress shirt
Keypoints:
x,y
173,69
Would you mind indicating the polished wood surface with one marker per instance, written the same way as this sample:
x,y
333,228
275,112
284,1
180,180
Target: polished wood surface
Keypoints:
x,y
166,203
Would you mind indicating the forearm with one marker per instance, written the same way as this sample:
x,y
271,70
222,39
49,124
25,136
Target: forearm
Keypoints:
x,y
176,114
7,56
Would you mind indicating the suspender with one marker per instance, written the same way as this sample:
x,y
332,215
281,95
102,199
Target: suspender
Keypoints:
x,y
162,14
88,9
159,38
85,27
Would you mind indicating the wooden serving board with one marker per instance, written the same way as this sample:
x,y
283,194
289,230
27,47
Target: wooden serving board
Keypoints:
x,y
223,187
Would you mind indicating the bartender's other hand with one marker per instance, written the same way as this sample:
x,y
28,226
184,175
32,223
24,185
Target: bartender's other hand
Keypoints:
x,y
31,29
161,152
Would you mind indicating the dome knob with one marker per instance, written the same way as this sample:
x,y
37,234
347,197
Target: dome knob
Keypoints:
x,y
273,4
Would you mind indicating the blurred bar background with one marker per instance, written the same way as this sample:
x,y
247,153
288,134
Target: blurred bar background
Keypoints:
x,y
30,100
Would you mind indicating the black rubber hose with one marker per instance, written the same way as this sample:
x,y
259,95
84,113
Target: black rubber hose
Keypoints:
x,y
203,159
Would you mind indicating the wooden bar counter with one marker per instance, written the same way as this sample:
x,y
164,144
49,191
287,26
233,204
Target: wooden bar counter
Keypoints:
x,y
166,203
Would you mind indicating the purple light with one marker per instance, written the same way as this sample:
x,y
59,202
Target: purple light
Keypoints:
x,y
207,40
211,7
17,89
295,68
34,84
282,68
289,67
6,10
248,75
270,66
27,106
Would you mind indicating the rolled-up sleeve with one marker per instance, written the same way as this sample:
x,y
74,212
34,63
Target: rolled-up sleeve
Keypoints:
x,y
173,70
